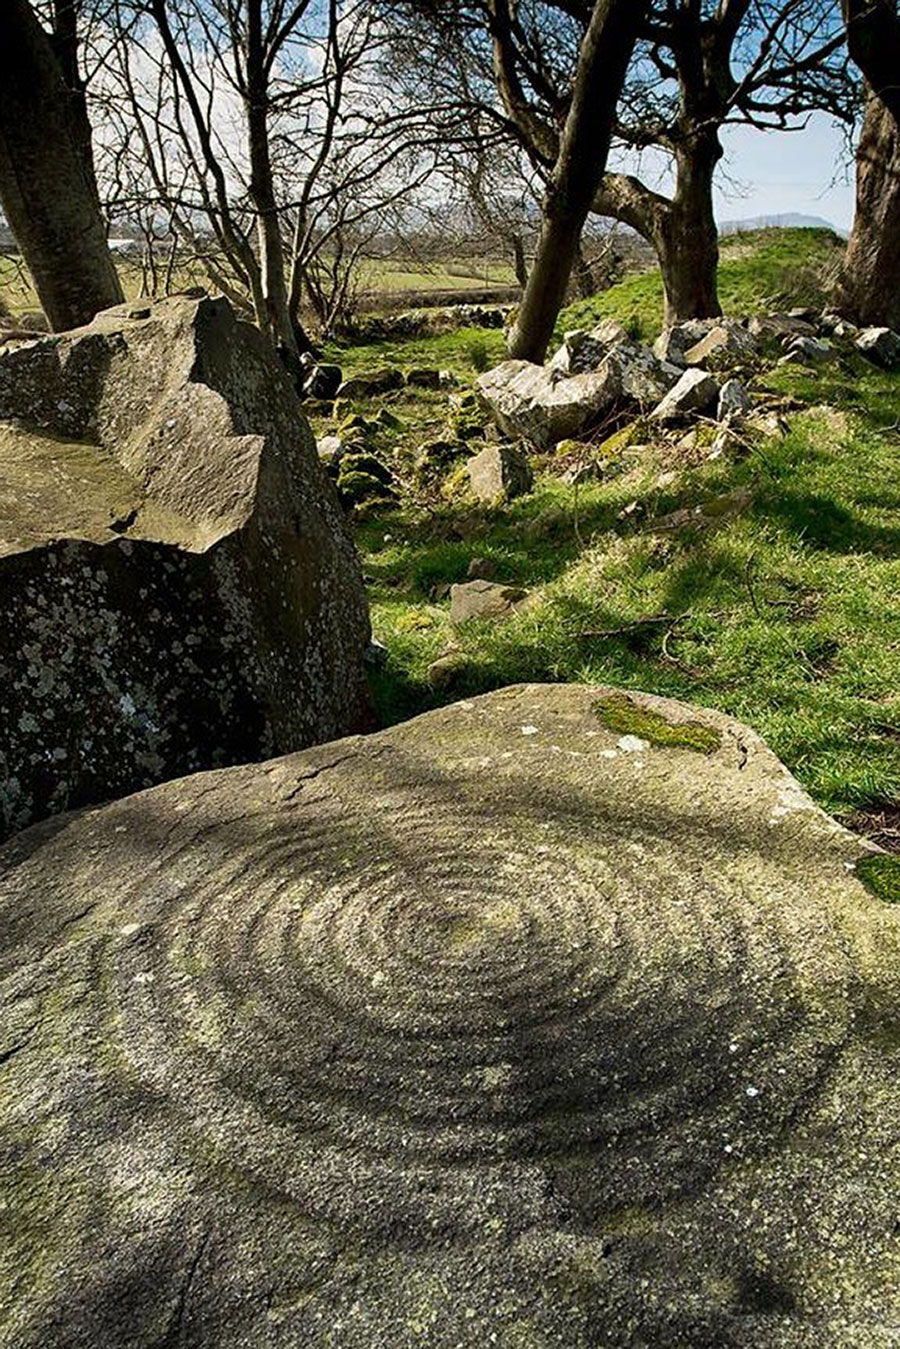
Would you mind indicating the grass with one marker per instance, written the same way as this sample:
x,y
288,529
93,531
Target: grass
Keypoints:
x,y
447,274
782,609
759,270
454,351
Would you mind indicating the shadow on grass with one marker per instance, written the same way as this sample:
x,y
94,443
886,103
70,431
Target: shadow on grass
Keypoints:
x,y
821,522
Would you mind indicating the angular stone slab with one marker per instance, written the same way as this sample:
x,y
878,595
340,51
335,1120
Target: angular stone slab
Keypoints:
x,y
530,401
511,1025
178,588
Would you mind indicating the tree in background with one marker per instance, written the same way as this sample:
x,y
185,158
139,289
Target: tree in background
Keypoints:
x,y
699,66
869,287
705,65
581,151
47,183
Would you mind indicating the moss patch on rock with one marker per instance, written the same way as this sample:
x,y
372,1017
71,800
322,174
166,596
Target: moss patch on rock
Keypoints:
x,y
620,714
880,874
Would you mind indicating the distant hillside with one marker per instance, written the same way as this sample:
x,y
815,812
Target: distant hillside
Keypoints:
x,y
788,221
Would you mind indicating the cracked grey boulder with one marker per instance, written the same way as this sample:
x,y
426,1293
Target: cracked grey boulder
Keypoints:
x,y
881,345
696,391
734,400
499,471
726,340
552,1018
805,349
674,342
582,351
527,401
178,589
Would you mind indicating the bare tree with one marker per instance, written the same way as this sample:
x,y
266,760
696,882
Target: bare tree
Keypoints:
x,y
869,286
47,184
705,66
262,134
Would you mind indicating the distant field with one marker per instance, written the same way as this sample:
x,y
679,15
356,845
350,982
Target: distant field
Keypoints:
x,y
378,275
386,274
755,266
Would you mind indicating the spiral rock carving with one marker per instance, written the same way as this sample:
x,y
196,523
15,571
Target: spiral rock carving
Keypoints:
x,y
496,1028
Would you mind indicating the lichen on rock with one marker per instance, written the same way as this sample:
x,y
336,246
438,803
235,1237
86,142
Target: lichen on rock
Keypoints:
x,y
179,588
479,1030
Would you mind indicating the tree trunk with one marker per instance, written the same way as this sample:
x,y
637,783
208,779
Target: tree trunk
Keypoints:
x,y
584,275
276,316
686,238
519,262
65,44
868,289
584,146
548,282
48,194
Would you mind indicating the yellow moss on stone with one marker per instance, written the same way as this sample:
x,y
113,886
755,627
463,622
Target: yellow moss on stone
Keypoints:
x,y
620,714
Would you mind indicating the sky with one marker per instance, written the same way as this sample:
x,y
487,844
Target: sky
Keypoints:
x,y
773,173
806,172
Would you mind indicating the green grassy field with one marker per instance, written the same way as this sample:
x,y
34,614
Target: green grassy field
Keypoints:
x,y
376,275
783,610
765,269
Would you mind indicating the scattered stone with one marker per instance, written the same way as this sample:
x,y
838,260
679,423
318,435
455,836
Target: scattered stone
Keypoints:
x,y
526,400
592,470
444,672
386,420
179,588
481,569
724,341
363,477
356,487
717,511
484,599
323,381
367,463
673,343
466,417
499,471
776,327
696,391
330,450
881,345
331,444
809,349
424,378
371,382
376,654
734,400
838,326
768,424
437,457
